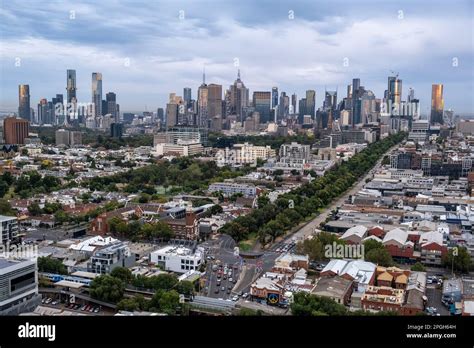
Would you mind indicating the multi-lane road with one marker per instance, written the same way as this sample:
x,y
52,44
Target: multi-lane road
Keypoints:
x,y
221,251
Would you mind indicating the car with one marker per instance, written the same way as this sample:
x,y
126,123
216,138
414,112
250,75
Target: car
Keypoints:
x,y
213,258
228,291
96,310
278,250
230,280
43,299
83,308
245,295
77,306
223,288
235,298
234,281
216,291
208,258
48,300
230,287
225,277
54,303
91,309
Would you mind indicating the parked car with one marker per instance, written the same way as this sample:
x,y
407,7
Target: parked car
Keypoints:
x,y
223,288
245,295
96,310
216,291
235,298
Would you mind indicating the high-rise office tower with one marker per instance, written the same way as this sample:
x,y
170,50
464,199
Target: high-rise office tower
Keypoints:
x,y
214,100
187,96
355,88
203,103
43,111
15,130
160,114
283,106
262,104
96,94
394,90
71,86
411,95
294,101
437,104
274,97
111,102
238,98
311,103
24,102
301,110
330,100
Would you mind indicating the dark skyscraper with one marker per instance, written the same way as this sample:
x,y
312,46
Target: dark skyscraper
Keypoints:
x,y
262,103
71,85
274,97
437,104
355,88
294,101
330,100
24,102
111,101
187,96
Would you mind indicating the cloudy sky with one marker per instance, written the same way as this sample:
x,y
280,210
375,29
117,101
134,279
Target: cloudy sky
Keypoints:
x,y
145,50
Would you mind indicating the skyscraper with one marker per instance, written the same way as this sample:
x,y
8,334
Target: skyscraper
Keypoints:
x,y
71,86
394,90
96,94
214,100
437,104
294,101
355,88
24,102
274,97
262,104
330,100
187,96
283,106
15,130
311,103
203,103
111,101
238,99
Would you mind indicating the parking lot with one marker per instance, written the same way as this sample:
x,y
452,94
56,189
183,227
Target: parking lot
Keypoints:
x,y
83,308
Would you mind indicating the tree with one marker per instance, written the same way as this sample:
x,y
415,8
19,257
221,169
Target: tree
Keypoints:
x,y
169,302
50,265
6,208
462,262
107,288
418,267
379,256
163,281
122,273
34,209
127,304
185,288
310,305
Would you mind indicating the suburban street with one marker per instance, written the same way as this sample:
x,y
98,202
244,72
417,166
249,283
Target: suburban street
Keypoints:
x,y
310,227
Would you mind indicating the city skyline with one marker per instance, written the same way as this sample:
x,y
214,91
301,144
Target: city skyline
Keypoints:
x,y
304,49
